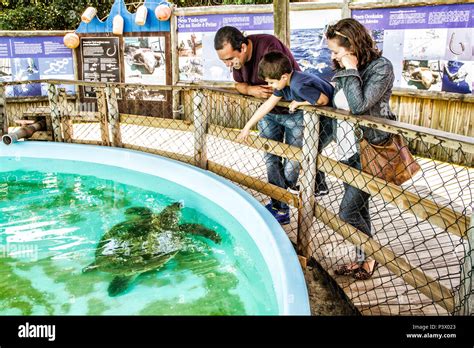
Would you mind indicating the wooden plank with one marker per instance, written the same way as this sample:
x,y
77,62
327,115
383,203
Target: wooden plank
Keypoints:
x,y
254,184
412,275
310,6
404,3
228,9
157,122
172,155
280,149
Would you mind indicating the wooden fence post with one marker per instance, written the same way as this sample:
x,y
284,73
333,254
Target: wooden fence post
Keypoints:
x,y
308,180
66,121
103,118
465,296
200,130
345,10
3,112
55,112
114,116
281,20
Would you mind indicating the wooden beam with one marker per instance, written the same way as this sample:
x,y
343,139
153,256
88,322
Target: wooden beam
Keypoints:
x,y
254,183
310,6
114,116
404,3
148,121
281,20
308,180
55,112
201,123
172,155
66,122
274,147
103,116
228,9
412,275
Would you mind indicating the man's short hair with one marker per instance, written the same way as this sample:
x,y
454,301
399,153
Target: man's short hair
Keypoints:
x,y
273,65
229,35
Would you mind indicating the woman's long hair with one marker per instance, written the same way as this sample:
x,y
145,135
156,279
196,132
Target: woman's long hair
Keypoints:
x,y
354,36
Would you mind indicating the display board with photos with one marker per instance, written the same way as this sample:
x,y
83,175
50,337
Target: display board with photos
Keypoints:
x,y
33,58
135,58
308,45
431,47
198,59
145,62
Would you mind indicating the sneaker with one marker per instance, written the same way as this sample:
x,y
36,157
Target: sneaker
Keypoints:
x,y
281,215
321,190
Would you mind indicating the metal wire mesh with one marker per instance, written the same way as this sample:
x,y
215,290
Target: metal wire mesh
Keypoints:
x,y
416,231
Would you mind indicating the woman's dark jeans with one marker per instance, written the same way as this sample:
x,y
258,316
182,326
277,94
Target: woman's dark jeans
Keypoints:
x,y
354,207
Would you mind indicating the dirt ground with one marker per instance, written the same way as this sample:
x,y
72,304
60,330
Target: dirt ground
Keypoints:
x,y
324,298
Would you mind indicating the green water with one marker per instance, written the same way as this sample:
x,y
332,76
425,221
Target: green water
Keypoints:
x,y
52,218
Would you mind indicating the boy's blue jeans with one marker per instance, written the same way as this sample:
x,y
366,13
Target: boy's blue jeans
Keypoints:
x,y
279,127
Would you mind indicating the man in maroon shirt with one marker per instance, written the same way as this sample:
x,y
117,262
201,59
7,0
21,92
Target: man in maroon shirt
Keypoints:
x,y
242,55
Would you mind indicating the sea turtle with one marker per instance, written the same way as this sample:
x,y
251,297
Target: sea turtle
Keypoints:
x,y
145,242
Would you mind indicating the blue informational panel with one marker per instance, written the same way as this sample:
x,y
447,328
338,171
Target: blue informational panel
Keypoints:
x,y
34,58
431,47
197,58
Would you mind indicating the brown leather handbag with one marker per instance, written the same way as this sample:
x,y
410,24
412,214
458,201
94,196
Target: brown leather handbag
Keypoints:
x,y
391,161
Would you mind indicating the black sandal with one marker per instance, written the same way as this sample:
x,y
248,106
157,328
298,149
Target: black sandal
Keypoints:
x,y
346,270
363,274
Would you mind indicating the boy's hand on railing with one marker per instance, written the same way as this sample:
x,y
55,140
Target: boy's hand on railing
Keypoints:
x,y
243,136
293,106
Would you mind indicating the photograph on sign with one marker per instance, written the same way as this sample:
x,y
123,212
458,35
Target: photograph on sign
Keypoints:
x,y
458,76
308,44
145,63
422,74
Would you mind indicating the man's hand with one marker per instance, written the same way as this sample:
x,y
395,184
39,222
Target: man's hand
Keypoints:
x,y
243,136
294,105
260,91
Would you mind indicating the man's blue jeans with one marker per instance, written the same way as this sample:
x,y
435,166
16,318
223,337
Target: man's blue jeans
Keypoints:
x,y
290,128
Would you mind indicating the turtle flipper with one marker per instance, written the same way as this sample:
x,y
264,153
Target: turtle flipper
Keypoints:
x,y
119,285
89,268
201,230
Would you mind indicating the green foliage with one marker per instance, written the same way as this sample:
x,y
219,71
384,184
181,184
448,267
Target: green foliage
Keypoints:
x,y
66,14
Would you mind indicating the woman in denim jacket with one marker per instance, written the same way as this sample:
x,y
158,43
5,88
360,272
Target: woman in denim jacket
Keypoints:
x,y
364,81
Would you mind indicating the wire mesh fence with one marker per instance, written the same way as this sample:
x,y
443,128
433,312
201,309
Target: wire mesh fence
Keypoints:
x,y
305,167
